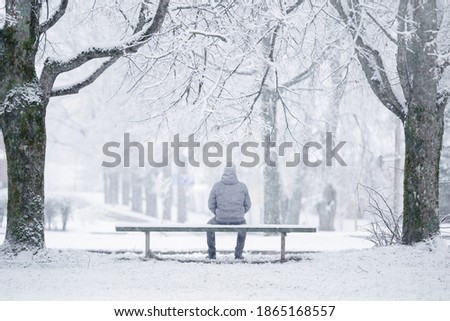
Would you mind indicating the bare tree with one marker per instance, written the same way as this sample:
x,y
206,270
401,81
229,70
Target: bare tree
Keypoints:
x,y
385,228
419,102
24,97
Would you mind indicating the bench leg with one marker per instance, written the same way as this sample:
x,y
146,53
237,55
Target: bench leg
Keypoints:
x,y
283,247
147,245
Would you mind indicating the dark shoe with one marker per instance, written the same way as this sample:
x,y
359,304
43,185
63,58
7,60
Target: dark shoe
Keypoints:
x,y
211,254
238,257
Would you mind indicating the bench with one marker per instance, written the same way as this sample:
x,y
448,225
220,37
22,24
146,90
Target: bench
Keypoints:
x,y
282,229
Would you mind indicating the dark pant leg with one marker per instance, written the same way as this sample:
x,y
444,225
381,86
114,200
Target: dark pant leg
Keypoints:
x,y
211,240
240,242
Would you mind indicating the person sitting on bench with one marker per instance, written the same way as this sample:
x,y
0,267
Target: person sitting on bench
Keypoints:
x,y
229,200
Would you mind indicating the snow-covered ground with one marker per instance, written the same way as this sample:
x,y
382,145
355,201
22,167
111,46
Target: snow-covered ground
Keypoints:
x,y
92,261
421,272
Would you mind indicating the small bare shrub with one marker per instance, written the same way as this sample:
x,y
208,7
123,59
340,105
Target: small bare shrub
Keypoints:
x,y
386,227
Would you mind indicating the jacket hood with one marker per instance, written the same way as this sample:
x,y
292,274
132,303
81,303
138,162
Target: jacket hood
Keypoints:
x,y
229,176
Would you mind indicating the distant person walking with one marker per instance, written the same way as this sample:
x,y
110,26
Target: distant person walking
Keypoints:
x,y
228,201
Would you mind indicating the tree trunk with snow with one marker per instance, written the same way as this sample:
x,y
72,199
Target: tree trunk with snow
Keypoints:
x,y
25,139
272,188
338,83
24,99
424,128
421,107
23,124
423,141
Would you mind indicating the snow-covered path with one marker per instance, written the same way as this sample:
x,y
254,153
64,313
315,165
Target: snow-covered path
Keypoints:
x,y
421,272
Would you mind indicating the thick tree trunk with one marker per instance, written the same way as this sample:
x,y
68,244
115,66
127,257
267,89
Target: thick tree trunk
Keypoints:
x,y
23,125
23,102
424,127
421,111
423,138
272,189
22,118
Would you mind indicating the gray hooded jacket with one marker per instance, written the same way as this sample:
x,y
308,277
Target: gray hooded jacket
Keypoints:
x,y
229,199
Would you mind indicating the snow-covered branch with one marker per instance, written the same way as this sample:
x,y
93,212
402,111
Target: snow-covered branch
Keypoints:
x,y
442,99
52,67
371,63
267,69
403,53
55,17
208,34
305,74
382,28
294,6
443,64
75,88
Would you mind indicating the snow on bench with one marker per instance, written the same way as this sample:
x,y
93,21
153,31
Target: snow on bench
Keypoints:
x,y
266,228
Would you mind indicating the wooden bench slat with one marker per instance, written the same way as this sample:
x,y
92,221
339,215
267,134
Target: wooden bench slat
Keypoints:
x,y
217,228
272,228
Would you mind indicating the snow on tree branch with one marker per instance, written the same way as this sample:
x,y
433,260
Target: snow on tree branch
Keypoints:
x,y
404,55
75,88
52,67
443,64
305,74
382,28
270,56
442,99
208,34
294,6
371,63
58,14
